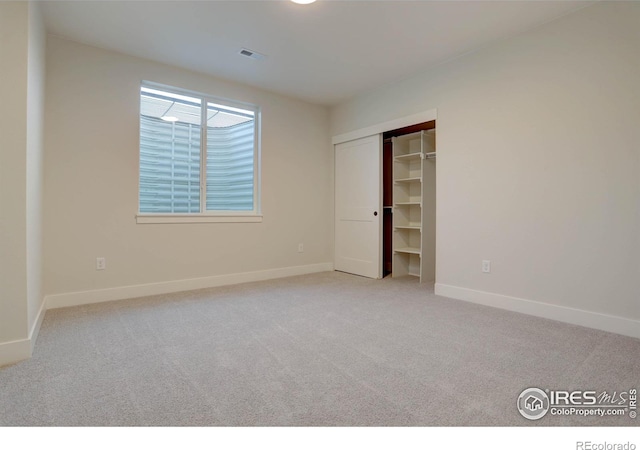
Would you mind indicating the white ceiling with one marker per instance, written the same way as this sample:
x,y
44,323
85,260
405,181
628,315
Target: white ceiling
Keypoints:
x,y
325,52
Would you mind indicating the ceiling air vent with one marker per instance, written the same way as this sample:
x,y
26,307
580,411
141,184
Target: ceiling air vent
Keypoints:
x,y
251,54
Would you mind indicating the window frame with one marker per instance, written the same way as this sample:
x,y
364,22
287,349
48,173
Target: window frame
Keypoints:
x,y
205,216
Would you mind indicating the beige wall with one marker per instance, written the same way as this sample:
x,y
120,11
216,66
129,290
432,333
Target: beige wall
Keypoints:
x,y
13,129
34,162
22,45
539,160
91,180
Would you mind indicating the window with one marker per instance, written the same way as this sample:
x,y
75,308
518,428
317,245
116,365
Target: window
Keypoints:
x,y
199,157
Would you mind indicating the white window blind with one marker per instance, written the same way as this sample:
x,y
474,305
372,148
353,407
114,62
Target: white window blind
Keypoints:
x,y
175,155
230,168
169,166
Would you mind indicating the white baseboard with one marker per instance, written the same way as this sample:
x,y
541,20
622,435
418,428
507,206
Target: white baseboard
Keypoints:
x,y
35,329
590,319
14,351
142,290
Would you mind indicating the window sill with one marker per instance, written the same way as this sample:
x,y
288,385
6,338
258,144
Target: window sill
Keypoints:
x,y
196,218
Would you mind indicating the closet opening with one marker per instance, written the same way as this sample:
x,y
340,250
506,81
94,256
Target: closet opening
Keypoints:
x,y
409,201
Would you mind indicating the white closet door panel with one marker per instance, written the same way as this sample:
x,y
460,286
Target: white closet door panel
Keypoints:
x,y
358,206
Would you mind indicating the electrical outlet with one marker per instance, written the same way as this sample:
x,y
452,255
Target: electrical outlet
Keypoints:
x,y
101,263
300,248
486,266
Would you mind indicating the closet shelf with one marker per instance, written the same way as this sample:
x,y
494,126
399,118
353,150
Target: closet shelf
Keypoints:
x,y
407,203
411,250
413,189
408,157
408,180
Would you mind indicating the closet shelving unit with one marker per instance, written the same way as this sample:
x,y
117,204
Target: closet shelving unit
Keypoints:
x,y
411,154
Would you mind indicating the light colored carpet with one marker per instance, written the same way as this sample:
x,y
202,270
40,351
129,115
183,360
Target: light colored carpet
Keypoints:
x,y
313,350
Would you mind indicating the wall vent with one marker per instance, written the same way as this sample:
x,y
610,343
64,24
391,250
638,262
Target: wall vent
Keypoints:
x,y
251,54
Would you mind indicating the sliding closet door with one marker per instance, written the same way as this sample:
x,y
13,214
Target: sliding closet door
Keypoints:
x,y
358,206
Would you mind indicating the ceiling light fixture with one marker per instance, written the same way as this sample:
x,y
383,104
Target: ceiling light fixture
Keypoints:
x,y
303,2
169,118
